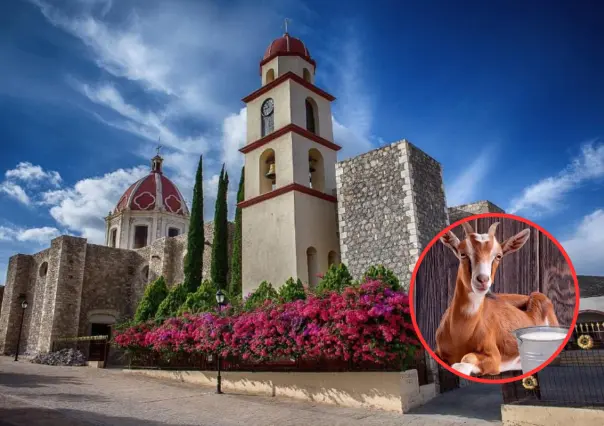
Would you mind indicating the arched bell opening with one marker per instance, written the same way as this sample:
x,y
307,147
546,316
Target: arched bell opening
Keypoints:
x,y
312,263
306,75
312,116
268,171
316,170
270,76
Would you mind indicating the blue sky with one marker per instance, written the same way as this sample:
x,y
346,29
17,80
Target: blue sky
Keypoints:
x,y
508,96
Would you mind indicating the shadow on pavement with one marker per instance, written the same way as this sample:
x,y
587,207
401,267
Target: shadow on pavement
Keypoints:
x,y
22,380
476,401
35,416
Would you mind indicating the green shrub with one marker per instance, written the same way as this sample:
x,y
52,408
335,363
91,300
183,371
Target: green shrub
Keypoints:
x,y
155,293
383,274
337,278
265,291
292,290
172,303
202,300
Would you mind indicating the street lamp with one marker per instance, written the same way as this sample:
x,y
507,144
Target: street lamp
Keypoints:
x,y
23,308
220,300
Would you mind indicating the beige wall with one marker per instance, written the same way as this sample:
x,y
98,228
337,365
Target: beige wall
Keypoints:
x,y
315,227
158,223
284,64
268,242
528,415
398,392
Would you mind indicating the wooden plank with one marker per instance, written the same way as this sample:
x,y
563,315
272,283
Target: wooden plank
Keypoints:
x,y
556,280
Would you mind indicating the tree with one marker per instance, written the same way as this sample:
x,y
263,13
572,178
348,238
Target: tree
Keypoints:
x,y
172,303
202,300
195,244
236,286
292,290
220,250
337,278
383,274
155,293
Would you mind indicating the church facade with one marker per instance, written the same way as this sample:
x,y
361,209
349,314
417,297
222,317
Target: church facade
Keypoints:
x,y
302,212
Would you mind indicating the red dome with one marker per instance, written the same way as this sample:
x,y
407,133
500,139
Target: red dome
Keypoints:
x,y
153,192
287,45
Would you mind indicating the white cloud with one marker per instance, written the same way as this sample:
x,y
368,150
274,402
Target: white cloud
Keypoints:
x,y
27,172
82,208
35,235
38,235
546,195
15,191
585,246
465,187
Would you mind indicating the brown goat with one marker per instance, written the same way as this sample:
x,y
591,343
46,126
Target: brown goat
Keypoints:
x,y
475,333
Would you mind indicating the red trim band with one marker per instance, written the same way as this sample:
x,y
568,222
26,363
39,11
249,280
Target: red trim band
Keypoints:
x,y
274,55
284,190
288,75
283,130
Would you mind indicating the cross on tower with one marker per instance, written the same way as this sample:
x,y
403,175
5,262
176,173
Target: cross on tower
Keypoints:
x,y
285,22
158,148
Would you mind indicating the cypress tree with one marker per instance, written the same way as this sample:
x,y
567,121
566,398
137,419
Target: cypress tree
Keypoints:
x,y
220,253
155,293
235,287
195,244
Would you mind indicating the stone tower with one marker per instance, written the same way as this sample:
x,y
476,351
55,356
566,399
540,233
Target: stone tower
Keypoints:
x,y
289,211
151,208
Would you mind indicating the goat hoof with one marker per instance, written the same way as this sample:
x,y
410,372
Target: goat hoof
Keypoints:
x,y
465,368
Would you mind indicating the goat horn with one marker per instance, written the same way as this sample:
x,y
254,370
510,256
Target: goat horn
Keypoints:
x,y
493,228
468,228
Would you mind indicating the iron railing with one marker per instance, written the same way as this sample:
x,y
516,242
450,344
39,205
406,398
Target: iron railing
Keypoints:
x,y
574,379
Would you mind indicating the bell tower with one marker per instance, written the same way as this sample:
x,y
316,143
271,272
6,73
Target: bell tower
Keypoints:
x,y
289,211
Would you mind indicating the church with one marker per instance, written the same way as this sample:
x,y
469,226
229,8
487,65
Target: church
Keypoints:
x,y
303,211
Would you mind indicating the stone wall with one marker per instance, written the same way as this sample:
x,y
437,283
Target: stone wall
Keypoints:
x,y
391,203
465,210
72,280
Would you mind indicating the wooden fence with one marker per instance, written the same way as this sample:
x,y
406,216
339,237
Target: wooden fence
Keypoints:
x,y
538,266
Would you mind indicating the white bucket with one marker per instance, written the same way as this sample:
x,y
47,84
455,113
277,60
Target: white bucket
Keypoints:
x,y
538,344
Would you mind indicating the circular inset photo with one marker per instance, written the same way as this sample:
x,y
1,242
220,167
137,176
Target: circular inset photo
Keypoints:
x,y
494,298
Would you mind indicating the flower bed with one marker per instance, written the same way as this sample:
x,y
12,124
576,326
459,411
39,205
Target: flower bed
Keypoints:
x,y
370,323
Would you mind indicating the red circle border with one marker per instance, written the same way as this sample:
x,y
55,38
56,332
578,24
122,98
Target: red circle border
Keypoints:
x,y
412,298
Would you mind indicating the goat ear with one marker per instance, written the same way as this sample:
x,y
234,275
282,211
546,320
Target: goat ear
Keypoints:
x,y
516,242
451,241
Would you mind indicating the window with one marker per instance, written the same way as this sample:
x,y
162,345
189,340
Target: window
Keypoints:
x,y
140,236
306,75
43,269
311,116
113,238
173,232
270,76
313,269
268,116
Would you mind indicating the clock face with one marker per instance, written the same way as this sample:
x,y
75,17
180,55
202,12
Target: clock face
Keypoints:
x,y
267,107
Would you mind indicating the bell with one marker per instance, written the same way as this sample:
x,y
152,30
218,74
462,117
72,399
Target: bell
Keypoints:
x,y
271,172
311,165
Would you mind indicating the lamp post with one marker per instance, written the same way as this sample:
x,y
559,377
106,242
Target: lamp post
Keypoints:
x,y
220,301
23,308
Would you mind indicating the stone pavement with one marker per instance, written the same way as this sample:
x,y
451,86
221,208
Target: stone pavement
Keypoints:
x,y
33,395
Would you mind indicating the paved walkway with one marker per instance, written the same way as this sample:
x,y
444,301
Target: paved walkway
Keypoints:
x,y
35,395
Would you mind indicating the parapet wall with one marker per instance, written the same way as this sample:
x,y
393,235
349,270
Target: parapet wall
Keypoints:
x,y
465,210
